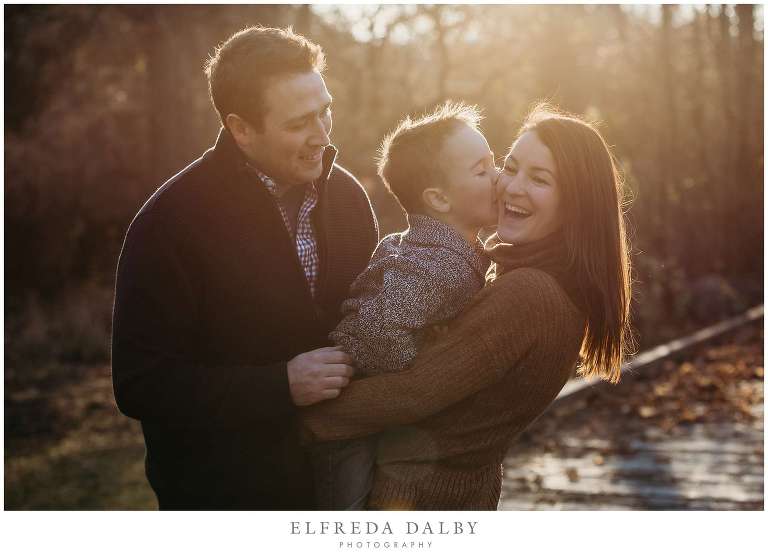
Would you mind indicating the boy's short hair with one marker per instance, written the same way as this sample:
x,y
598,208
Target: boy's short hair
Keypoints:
x,y
408,157
240,69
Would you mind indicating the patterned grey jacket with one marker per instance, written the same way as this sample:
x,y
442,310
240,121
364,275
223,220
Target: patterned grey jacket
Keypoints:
x,y
415,279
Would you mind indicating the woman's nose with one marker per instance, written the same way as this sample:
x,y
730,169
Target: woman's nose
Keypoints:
x,y
503,183
509,184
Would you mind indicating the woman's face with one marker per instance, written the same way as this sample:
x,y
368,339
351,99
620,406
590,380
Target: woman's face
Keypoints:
x,y
528,192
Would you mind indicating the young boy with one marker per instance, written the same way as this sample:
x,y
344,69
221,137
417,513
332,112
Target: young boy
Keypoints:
x,y
441,170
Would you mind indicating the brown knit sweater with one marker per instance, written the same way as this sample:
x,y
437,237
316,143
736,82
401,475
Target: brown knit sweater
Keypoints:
x,y
453,414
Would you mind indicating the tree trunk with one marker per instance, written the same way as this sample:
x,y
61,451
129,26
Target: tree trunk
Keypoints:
x,y
722,195
666,191
699,212
748,155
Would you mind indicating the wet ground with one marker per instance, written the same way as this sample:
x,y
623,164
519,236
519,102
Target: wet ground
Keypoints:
x,y
684,434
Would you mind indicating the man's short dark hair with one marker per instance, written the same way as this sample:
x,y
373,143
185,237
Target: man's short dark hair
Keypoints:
x,y
240,68
408,157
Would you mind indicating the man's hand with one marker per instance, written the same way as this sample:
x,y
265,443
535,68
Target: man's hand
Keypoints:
x,y
318,375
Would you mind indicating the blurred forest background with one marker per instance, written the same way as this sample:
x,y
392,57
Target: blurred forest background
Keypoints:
x,y
103,103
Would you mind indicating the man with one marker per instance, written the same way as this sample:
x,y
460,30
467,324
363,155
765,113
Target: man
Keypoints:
x,y
229,281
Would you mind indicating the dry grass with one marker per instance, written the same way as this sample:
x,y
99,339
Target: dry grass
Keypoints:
x,y
67,446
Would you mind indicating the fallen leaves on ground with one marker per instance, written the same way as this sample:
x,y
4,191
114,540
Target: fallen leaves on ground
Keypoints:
x,y
716,382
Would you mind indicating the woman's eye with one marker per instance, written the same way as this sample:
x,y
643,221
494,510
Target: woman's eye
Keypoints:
x,y
510,170
538,180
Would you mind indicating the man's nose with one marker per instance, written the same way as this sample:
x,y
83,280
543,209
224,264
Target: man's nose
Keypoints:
x,y
320,133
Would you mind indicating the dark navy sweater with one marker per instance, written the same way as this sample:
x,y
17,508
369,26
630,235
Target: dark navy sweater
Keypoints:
x,y
210,304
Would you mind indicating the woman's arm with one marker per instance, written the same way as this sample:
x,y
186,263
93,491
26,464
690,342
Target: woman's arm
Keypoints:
x,y
495,332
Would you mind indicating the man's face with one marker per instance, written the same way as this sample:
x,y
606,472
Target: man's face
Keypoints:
x,y
296,125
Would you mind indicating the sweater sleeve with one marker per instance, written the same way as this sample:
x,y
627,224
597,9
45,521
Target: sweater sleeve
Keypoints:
x,y
496,332
381,329
156,375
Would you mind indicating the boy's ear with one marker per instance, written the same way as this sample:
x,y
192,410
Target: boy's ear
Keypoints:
x,y
436,199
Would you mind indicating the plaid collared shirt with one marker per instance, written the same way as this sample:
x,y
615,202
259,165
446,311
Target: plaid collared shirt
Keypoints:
x,y
304,237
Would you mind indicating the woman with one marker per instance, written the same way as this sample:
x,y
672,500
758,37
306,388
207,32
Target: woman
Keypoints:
x,y
558,291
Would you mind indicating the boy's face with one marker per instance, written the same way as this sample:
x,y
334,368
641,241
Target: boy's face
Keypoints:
x,y
467,164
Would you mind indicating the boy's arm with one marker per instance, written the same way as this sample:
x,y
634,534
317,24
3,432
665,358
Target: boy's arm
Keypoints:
x,y
382,332
487,341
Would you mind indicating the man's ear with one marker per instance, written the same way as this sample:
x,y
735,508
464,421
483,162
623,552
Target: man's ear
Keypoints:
x,y
436,199
239,128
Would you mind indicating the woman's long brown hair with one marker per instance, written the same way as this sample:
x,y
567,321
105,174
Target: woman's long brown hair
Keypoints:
x,y
592,203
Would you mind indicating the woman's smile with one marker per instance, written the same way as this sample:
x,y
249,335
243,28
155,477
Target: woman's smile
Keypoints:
x,y
514,211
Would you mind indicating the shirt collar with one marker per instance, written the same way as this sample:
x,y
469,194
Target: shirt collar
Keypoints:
x,y
428,231
270,183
